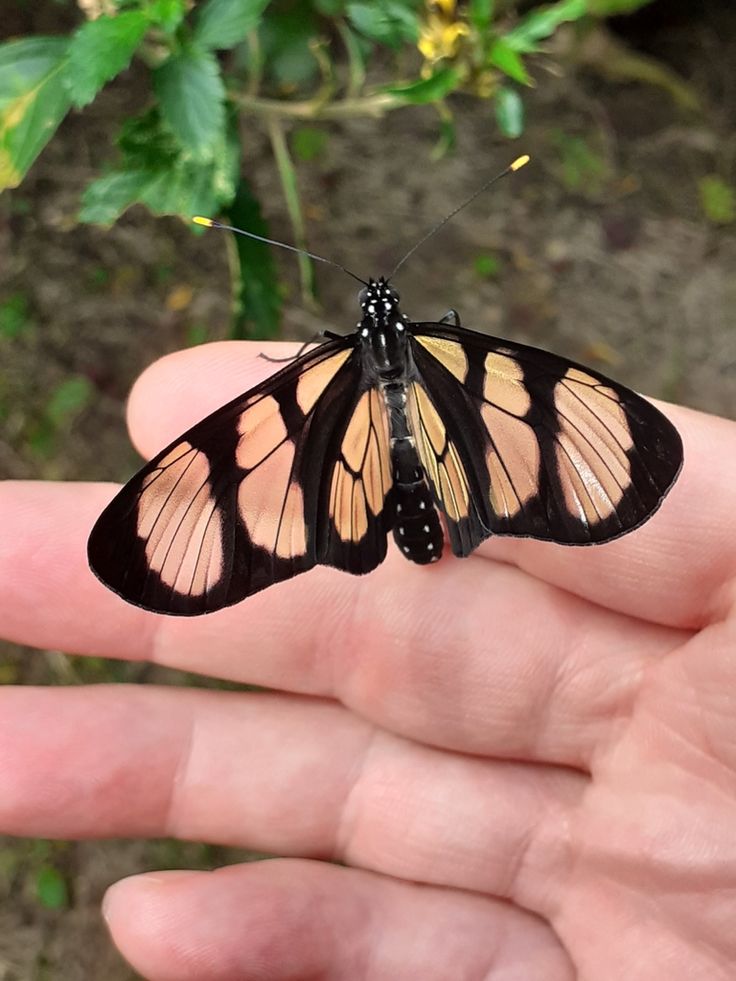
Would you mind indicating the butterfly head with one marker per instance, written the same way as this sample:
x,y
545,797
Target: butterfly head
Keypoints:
x,y
383,326
379,302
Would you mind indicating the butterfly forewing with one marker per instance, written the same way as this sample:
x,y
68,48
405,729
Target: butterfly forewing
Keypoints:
x,y
539,446
238,502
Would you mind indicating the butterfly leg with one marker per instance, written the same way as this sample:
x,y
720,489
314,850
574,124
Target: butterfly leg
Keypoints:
x,y
319,336
452,317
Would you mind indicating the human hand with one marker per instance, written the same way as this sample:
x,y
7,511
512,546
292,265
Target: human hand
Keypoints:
x,y
526,760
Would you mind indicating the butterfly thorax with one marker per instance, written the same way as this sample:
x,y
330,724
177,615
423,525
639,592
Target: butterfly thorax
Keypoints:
x,y
382,329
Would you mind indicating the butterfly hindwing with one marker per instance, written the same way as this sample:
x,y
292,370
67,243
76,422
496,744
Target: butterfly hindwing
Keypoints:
x,y
242,500
358,486
517,441
451,474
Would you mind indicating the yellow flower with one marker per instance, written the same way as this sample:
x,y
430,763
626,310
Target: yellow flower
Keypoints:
x,y
441,32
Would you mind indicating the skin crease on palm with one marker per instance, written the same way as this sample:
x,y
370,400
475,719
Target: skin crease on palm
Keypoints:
x,y
525,761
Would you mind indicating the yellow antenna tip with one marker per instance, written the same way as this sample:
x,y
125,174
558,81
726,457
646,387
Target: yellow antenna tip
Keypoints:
x,y
516,165
199,220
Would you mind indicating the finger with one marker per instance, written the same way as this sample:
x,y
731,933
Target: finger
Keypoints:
x,y
680,567
282,775
473,655
675,570
49,596
185,389
291,919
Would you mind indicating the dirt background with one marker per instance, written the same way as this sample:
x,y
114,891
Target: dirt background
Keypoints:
x,y
602,252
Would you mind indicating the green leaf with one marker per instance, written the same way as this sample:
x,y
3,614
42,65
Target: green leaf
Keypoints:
x,y
32,102
224,23
196,334
543,21
487,265
426,90
508,61
717,200
166,14
256,292
308,143
99,51
388,22
68,399
192,96
286,43
509,112
185,189
167,182
106,198
480,13
145,142
51,888
610,8
15,318
329,8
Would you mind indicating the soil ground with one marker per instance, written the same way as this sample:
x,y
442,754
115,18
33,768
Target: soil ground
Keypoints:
x,y
601,251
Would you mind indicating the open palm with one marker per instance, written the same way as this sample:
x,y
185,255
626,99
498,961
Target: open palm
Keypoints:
x,y
525,761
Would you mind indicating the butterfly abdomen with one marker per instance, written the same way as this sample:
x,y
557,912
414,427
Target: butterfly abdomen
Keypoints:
x,y
417,529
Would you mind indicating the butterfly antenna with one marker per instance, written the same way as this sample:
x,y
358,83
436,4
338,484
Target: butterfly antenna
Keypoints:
x,y
516,165
212,223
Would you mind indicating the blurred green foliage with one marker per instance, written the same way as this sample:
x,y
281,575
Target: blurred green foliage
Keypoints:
x,y
487,265
308,143
63,405
717,199
36,865
213,63
51,888
583,168
15,317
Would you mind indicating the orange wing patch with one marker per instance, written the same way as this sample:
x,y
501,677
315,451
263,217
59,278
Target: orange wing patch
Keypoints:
x,y
258,491
592,446
177,517
361,478
438,455
513,460
314,381
261,428
448,353
266,450
292,537
504,384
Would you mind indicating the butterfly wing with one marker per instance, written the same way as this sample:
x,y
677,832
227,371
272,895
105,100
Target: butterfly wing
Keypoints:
x,y
358,489
517,441
284,477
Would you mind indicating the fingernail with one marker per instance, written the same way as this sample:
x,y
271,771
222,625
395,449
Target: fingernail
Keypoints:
x,y
144,880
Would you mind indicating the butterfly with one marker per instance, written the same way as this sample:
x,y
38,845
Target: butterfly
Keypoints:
x,y
425,431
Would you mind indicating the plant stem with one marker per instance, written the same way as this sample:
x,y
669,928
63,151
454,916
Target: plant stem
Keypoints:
x,y
370,105
287,174
356,68
256,64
